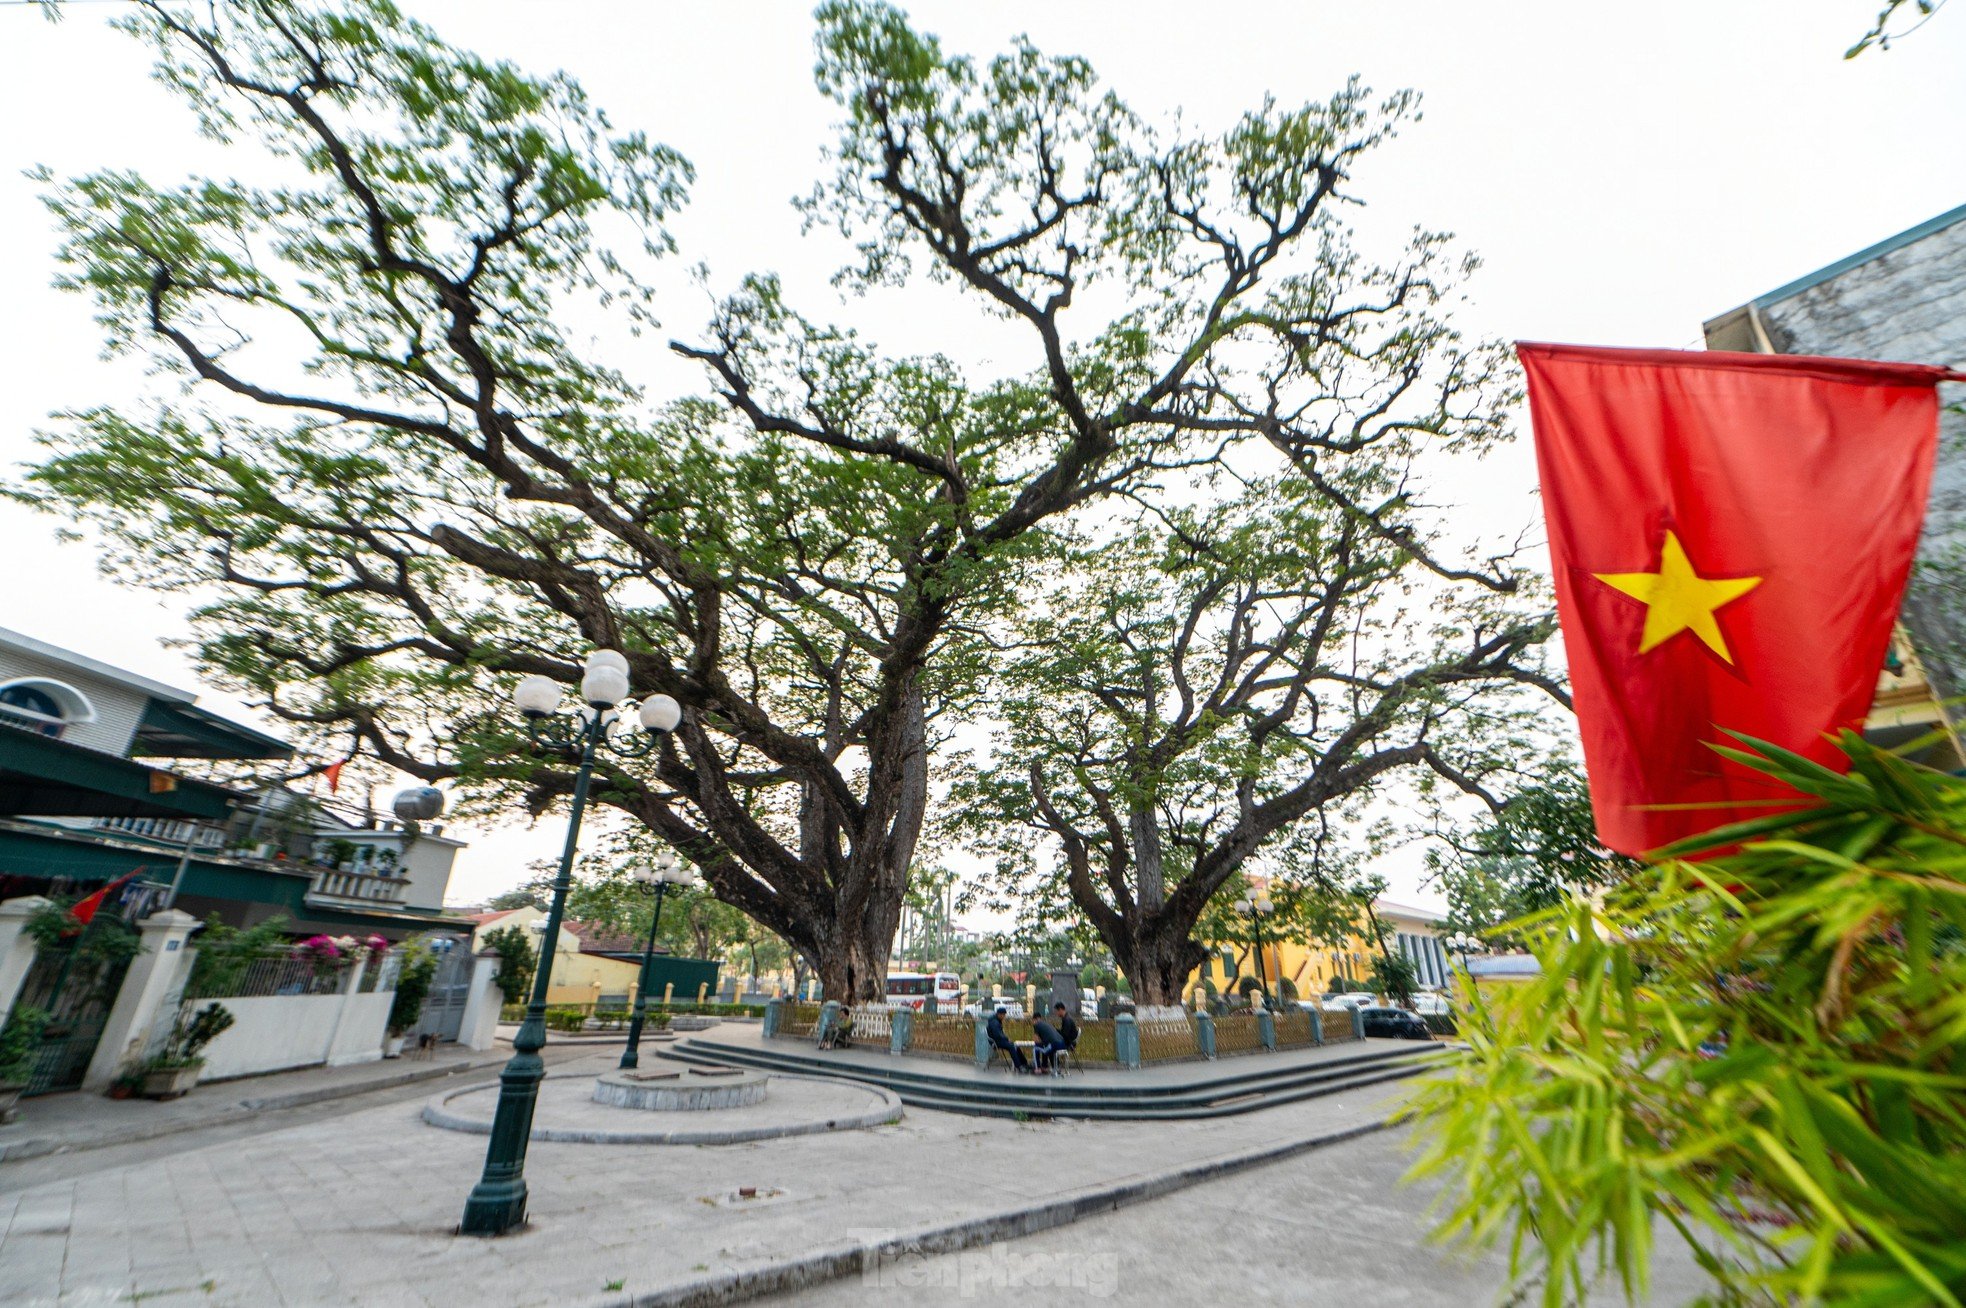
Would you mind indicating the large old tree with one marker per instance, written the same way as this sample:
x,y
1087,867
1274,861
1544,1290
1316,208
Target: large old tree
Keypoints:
x,y
1228,689
410,461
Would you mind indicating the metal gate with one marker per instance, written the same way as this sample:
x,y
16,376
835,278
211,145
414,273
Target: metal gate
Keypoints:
x,y
443,1008
75,990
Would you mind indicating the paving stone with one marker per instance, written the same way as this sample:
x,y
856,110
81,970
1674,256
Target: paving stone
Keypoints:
x,y
361,1209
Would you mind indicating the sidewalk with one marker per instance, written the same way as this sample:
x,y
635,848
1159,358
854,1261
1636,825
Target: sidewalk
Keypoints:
x,y
362,1210
76,1120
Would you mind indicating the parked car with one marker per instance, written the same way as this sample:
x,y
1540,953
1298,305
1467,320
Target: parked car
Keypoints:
x,y
1431,1003
1393,1024
1335,1004
1013,1008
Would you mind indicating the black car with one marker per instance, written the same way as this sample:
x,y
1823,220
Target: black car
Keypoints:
x,y
1394,1024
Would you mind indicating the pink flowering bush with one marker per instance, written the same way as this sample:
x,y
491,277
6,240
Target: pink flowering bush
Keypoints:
x,y
325,953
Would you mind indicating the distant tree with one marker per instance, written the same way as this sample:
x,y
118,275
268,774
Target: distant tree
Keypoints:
x,y
516,961
1880,33
525,896
1395,976
1540,846
1225,680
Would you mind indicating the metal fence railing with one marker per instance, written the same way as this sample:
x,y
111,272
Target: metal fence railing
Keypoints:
x,y
1293,1028
950,1035
268,974
1237,1033
1162,1039
1169,1040
872,1023
800,1020
1337,1028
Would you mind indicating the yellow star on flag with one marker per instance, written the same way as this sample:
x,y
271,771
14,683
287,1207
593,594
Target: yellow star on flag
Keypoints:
x,y
1676,598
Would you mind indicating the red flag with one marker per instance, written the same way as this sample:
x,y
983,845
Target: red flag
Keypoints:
x,y
333,773
1730,536
84,910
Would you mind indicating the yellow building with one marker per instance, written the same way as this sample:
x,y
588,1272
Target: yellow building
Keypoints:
x,y
1311,969
579,977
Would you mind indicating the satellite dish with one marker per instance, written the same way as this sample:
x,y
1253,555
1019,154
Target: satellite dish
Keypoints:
x,y
419,804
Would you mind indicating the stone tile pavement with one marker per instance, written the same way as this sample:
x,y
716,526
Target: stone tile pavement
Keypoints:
x,y
1331,1227
360,1209
74,1121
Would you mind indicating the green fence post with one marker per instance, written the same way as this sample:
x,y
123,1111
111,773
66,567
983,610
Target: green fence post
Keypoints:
x,y
1126,1040
1358,1024
901,1030
1205,1033
829,1016
774,1016
982,1041
1266,1028
1317,1027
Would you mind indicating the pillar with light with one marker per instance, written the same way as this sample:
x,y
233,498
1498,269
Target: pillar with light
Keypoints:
x,y
665,872
497,1204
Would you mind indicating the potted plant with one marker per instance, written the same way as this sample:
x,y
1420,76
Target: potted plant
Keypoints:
x,y
19,1041
412,988
175,1070
128,1082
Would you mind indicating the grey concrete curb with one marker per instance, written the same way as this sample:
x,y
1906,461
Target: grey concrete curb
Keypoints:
x,y
42,1146
845,1260
436,1114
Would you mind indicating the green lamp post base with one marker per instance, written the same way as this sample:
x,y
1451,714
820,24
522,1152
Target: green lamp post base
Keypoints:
x,y
498,1202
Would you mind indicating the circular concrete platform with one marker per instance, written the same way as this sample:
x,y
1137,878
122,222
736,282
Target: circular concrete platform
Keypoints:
x,y
566,1111
671,1089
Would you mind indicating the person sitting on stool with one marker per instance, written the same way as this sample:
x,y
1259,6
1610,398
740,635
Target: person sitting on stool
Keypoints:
x,y
1068,1030
996,1036
1049,1042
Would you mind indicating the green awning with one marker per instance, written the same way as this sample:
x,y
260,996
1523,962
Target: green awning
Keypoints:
x,y
90,858
44,777
187,731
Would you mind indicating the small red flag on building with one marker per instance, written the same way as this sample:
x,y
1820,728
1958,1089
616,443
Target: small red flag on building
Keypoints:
x,y
84,910
333,773
1730,536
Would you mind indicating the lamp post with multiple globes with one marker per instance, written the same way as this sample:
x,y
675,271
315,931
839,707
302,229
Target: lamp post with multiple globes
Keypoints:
x,y
1256,905
498,1202
666,872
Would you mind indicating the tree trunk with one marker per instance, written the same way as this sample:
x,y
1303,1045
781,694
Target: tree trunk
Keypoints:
x,y
1157,956
852,966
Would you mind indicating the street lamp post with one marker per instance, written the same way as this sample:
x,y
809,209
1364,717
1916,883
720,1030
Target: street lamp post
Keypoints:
x,y
1257,905
1464,944
666,872
498,1202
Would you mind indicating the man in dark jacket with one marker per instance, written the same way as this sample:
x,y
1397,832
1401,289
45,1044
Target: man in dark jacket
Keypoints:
x,y
994,1031
1062,1019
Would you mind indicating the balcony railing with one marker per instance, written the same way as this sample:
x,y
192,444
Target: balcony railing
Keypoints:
x,y
171,831
357,887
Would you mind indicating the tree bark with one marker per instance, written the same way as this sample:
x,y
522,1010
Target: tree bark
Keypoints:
x,y
1157,956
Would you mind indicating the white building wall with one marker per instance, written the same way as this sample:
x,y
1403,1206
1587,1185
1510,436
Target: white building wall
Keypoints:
x,y
273,1033
1906,305
427,861
118,708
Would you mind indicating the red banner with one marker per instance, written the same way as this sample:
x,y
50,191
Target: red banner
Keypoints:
x,y
1730,536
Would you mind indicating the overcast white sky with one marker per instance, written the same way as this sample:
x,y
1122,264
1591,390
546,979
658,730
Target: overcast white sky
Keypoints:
x,y
1627,170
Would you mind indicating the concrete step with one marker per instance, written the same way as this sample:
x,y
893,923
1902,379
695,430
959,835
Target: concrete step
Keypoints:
x,y
1240,1074
1231,1092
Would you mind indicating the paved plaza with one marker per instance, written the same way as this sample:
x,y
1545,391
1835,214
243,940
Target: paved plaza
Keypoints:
x,y
358,1208
1334,1226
